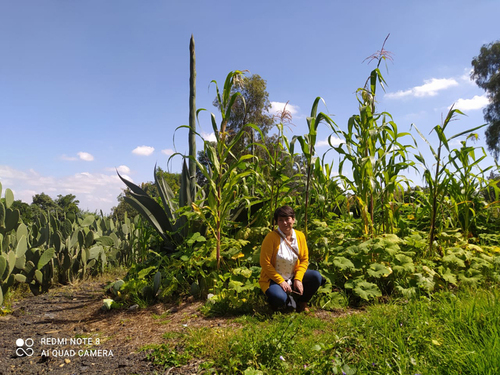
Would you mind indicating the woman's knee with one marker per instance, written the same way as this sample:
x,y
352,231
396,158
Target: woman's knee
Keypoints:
x,y
313,276
277,297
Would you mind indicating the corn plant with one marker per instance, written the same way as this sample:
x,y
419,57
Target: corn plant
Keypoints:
x,y
438,182
224,172
327,194
308,145
465,184
376,155
277,174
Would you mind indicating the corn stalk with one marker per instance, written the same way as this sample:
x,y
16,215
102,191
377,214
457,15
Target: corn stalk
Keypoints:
x,y
224,172
438,183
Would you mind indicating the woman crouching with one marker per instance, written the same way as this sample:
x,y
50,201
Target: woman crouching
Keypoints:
x,y
284,259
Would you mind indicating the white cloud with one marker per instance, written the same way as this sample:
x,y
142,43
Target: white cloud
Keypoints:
x,y
68,158
466,77
85,156
81,156
477,102
94,190
143,150
123,169
210,137
429,88
277,107
167,151
334,140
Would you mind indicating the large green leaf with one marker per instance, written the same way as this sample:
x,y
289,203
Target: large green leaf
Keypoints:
x,y
343,263
366,290
378,270
449,277
404,264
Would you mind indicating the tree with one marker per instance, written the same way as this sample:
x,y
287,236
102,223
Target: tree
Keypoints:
x,y
24,209
253,110
68,204
486,74
44,203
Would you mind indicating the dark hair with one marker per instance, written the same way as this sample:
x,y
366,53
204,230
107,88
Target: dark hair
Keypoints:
x,y
285,211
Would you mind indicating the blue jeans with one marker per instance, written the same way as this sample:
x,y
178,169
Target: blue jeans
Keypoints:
x,y
277,296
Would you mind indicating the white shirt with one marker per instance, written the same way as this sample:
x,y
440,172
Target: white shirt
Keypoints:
x,y
286,259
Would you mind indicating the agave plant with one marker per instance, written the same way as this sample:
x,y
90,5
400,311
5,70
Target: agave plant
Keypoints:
x,y
163,217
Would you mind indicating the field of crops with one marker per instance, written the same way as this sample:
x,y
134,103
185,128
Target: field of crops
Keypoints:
x,y
372,233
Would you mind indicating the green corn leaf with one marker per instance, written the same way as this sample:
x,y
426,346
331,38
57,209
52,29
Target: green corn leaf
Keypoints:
x,y
185,198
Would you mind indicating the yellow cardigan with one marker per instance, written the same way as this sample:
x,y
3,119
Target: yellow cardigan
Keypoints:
x,y
268,252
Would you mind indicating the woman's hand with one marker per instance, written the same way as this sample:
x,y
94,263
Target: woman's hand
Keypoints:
x,y
284,285
297,284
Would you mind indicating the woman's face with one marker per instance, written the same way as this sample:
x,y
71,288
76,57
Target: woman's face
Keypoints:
x,y
286,224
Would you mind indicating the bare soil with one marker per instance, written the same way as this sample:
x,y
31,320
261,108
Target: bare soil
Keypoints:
x,y
37,337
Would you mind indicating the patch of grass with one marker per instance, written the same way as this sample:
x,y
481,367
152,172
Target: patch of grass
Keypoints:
x,y
444,334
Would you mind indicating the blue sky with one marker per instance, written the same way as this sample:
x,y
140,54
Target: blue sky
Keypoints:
x,y
88,87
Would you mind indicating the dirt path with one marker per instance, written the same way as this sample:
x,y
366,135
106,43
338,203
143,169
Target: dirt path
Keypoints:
x,y
66,332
